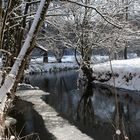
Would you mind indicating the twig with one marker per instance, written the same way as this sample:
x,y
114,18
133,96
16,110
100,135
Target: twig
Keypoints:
x,y
4,23
91,7
2,50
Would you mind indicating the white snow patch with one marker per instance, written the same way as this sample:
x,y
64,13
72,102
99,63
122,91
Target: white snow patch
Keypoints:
x,y
65,58
46,67
71,58
37,60
24,86
37,65
128,72
99,58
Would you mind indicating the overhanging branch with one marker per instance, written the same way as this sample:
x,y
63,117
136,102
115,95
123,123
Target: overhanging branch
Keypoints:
x,y
91,7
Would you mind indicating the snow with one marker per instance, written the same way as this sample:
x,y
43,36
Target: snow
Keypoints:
x,y
58,126
68,62
49,67
37,60
65,58
71,58
99,58
42,48
9,81
24,86
68,59
127,73
37,65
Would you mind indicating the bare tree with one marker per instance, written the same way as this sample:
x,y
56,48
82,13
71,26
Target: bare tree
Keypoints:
x,y
79,25
7,92
0,16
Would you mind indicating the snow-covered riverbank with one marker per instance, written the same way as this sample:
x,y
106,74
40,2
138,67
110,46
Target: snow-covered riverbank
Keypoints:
x,y
51,67
42,119
37,65
68,63
126,73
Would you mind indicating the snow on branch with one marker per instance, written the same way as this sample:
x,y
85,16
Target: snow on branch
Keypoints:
x,y
41,47
11,77
91,7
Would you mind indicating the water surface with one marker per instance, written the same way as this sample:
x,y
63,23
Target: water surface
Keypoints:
x,y
97,120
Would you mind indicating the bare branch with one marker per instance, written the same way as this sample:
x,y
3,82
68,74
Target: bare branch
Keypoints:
x,y
91,7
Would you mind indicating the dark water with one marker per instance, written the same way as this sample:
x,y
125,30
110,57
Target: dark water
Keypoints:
x,y
96,117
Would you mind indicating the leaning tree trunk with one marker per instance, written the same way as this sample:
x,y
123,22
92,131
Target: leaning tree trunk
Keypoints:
x,y
0,18
6,94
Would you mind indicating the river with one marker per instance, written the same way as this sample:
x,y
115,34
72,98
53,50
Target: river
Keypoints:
x,y
96,117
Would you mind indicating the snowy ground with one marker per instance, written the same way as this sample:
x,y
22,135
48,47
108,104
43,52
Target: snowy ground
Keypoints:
x,y
68,62
71,58
51,67
37,65
58,127
127,73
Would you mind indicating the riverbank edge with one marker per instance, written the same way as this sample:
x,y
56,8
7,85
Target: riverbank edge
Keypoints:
x,y
62,131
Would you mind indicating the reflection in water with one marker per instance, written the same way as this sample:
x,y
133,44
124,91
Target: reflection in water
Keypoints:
x,y
66,98
85,107
121,123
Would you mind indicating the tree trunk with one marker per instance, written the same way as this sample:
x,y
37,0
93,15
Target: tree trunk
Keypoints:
x,y
126,19
59,60
125,52
45,57
0,17
58,55
6,94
